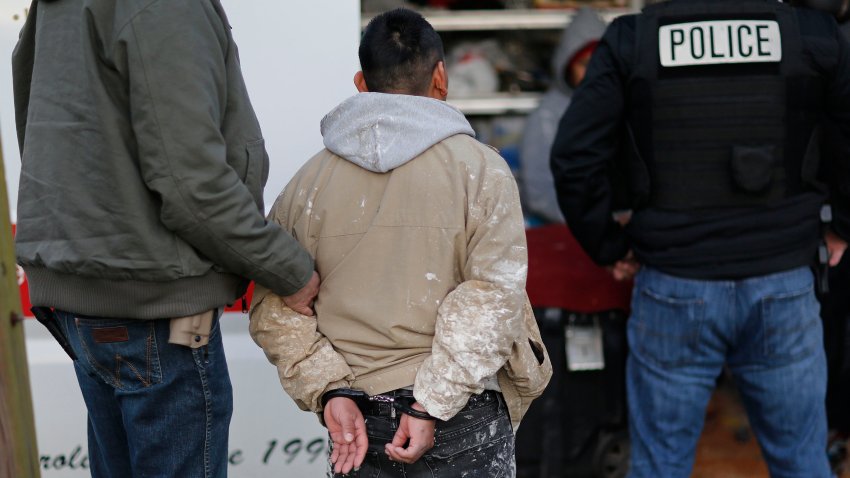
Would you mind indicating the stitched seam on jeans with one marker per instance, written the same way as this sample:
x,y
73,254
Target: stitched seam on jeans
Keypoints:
x,y
118,369
207,408
455,434
433,475
773,331
659,297
155,348
792,294
768,304
148,353
489,418
378,464
475,448
108,374
687,342
133,369
115,380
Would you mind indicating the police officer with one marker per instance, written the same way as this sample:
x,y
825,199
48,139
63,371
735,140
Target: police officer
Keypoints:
x,y
714,112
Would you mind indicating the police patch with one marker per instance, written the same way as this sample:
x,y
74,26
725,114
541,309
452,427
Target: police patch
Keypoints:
x,y
719,42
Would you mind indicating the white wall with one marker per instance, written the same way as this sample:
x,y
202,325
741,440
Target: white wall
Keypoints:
x,y
298,58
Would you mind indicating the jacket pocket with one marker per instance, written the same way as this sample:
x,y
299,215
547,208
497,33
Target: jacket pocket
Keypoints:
x,y
257,169
528,370
753,168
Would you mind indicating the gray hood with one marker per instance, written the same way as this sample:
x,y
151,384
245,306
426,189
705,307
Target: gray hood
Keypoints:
x,y
380,132
585,27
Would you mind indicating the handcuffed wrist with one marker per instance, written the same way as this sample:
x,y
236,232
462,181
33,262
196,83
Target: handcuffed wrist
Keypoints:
x,y
358,396
405,405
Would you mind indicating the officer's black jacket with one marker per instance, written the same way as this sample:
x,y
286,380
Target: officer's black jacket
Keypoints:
x,y
704,244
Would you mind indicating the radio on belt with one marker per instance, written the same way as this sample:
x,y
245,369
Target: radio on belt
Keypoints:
x,y
719,42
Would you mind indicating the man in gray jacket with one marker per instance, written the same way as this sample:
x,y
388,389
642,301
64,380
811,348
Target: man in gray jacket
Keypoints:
x,y
140,216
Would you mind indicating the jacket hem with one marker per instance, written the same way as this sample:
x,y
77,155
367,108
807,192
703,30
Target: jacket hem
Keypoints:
x,y
389,379
132,299
738,269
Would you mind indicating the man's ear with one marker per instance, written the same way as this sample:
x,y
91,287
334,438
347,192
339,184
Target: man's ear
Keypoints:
x,y
439,82
360,82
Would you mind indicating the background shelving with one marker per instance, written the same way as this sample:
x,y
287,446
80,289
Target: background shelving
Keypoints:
x,y
497,20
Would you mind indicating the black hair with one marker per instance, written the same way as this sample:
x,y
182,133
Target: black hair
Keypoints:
x,y
398,52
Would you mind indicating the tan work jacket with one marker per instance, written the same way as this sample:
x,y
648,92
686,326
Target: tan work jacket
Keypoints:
x,y
423,282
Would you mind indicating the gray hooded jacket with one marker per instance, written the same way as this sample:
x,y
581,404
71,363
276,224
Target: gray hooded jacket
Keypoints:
x,y
536,183
143,163
380,132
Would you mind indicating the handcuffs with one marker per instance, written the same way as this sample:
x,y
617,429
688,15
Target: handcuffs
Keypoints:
x,y
362,400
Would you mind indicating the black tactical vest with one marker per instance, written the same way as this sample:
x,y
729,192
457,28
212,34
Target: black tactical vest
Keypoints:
x,y
724,108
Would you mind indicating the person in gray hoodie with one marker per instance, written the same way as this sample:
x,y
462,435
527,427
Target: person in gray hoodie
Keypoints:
x,y
568,64
140,215
423,354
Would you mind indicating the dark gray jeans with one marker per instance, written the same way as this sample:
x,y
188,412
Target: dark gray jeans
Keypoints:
x,y
478,442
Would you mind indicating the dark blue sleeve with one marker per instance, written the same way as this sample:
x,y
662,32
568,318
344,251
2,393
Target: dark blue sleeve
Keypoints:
x,y
587,143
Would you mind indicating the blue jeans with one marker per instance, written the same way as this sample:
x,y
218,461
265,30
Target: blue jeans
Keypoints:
x,y
478,442
154,409
765,329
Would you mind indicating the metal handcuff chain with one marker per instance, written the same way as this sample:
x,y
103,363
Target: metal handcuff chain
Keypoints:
x,y
362,399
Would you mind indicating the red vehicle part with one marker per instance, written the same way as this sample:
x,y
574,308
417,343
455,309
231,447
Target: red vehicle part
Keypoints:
x,y
561,275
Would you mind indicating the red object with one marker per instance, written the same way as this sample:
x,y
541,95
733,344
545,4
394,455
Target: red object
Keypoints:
x,y
26,306
585,50
24,292
237,306
560,274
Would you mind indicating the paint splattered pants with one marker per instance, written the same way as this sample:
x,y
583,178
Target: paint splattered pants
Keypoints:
x,y
478,442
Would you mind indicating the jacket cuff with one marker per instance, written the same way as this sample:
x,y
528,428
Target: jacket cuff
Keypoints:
x,y
443,405
317,405
301,271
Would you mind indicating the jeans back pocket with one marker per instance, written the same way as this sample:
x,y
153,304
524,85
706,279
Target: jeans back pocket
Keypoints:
x,y
123,353
665,330
790,324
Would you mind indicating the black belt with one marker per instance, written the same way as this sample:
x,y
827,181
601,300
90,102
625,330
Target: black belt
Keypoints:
x,y
397,400
382,405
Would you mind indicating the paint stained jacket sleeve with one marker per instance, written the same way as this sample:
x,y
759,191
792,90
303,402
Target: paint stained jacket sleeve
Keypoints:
x,y
306,361
480,320
174,56
587,142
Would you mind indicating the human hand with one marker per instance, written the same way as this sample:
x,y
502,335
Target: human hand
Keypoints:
x,y
302,301
623,217
347,429
836,247
626,268
21,276
420,434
